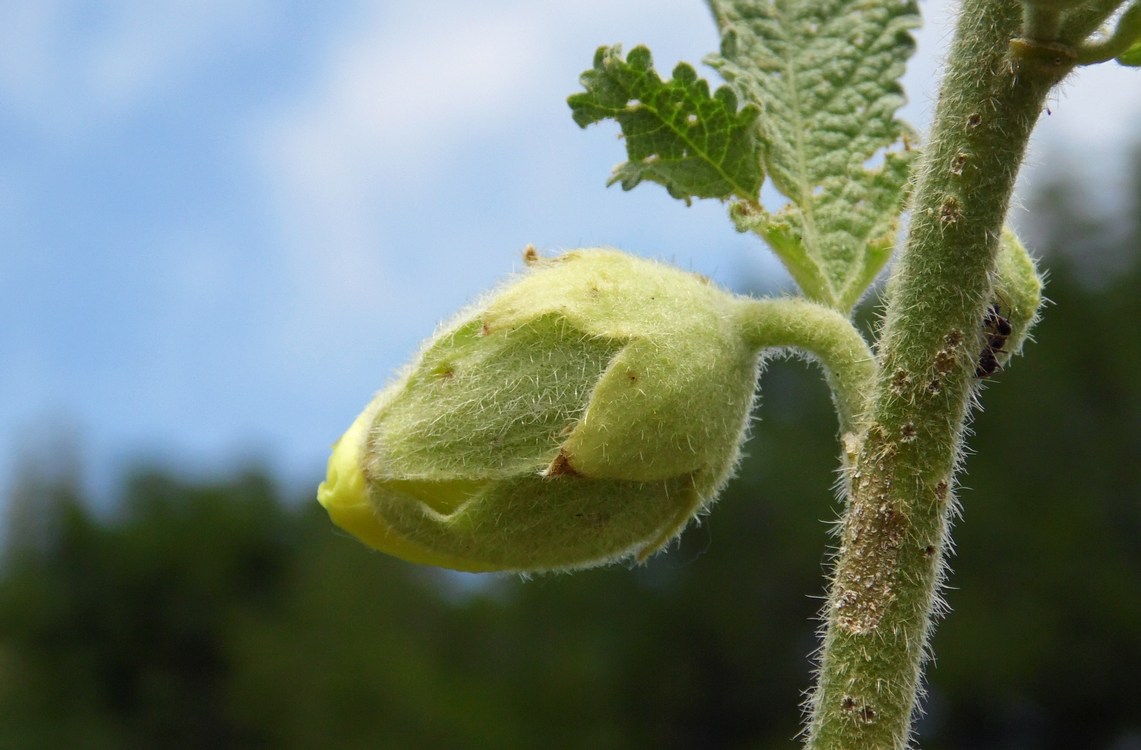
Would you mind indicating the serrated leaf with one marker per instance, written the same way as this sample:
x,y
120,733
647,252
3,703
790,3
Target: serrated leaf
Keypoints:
x,y
825,73
678,135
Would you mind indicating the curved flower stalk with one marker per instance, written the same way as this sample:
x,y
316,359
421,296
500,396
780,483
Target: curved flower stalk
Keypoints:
x,y
583,413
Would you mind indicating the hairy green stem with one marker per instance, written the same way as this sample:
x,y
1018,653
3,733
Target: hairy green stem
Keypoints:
x,y
827,336
1041,23
883,593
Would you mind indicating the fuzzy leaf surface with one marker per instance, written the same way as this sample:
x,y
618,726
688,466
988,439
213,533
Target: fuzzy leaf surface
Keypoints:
x,y
677,134
825,74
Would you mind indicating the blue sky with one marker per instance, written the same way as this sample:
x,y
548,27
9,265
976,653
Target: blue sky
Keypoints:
x,y
225,223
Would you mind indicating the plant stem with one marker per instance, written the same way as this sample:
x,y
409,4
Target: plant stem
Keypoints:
x,y
882,595
824,334
1125,34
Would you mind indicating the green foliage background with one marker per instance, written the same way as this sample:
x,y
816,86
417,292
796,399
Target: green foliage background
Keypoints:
x,y
222,614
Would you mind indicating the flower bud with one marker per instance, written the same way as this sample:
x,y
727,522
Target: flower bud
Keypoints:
x,y
582,413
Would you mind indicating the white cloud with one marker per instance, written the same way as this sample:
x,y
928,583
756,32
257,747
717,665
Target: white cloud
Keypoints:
x,y
397,94
382,119
402,104
64,68
387,97
379,123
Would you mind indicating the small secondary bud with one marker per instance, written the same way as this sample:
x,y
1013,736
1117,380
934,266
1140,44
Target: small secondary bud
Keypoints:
x,y
1017,290
583,413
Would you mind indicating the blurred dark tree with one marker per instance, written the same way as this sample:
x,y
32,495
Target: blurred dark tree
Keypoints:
x,y
217,614
113,633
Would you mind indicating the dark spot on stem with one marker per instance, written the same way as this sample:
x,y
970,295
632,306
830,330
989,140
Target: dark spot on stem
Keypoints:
x,y
958,162
944,361
899,382
861,712
950,212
